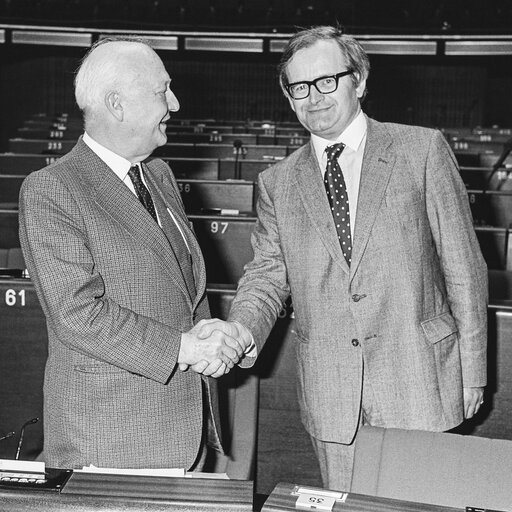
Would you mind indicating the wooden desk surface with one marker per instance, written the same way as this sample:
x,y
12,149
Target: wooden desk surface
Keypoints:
x,y
116,493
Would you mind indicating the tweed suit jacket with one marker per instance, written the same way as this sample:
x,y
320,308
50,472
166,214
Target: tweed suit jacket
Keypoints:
x,y
116,304
411,309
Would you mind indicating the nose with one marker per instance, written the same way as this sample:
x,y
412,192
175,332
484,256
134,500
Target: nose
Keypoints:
x,y
172,102
314,95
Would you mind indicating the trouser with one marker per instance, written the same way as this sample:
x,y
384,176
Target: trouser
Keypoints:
x,y
210,443
336,460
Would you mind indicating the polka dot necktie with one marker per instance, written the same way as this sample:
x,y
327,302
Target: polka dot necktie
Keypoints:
x,y
142,192
338,198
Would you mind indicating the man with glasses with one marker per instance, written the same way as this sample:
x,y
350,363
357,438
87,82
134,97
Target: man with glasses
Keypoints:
x,y
368,228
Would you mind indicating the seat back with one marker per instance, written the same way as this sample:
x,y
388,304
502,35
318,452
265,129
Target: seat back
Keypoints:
x,y
433,467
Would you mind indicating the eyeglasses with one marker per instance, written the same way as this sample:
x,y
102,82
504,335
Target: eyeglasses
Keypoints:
x,y
324,85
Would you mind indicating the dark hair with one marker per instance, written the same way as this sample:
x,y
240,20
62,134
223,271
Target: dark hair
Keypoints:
x,y
352,50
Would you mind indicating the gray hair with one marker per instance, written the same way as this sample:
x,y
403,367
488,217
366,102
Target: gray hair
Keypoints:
x,y
96,75
352,50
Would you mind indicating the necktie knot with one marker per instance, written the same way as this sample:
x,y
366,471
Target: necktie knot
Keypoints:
x,y
134,174
142,191
334,151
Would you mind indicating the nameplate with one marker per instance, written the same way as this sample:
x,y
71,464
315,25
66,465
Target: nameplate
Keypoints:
x,y
310,498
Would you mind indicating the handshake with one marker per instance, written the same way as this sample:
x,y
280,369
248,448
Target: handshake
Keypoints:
x,y
213,347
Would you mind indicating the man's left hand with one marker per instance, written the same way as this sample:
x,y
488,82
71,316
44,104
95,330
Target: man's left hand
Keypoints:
x,y
473,399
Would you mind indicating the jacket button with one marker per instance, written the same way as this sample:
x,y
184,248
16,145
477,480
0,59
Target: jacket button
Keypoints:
x,y
355,342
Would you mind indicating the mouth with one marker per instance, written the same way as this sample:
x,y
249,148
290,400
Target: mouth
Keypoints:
x,y
318,110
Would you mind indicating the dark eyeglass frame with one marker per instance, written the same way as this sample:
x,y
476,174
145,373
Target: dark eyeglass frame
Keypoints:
x,y
314,82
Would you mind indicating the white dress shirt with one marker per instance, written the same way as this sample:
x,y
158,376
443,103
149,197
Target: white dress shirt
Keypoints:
x,y
120,166
350,160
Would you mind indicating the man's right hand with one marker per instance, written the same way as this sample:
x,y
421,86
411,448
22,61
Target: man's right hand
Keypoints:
x,y
218,348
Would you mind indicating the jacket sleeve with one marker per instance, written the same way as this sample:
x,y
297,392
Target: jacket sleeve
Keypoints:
x,y
463,265
72,292
264,288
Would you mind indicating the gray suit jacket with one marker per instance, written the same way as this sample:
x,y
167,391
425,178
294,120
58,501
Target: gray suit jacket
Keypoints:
x,y
411,308
116,304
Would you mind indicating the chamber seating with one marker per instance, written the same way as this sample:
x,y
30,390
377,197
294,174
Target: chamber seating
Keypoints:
x,y
10,185
491,207
11,258
206,195
9,229
254,152
224,240
494,244
437,468
226,244
195,168
23,163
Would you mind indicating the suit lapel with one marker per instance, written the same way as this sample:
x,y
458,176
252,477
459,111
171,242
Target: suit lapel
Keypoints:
x,y
171,200
114,197
311,189
378,163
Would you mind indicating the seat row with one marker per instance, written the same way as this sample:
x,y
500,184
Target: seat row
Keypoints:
x,y
224,241
490,203
226,246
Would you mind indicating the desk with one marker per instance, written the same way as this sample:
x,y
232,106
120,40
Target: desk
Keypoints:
x,y
88,492
281,499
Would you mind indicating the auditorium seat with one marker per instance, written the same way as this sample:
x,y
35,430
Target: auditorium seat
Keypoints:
x,y
491,207
257,152
494,243
244,169
194,168
203,195
10,185
225,242
59,133
488,159
212,137
481,178
9,228
468,158
438,468
11,258
40,146
23,163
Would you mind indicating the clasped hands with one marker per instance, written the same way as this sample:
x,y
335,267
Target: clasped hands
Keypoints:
x,y
212,347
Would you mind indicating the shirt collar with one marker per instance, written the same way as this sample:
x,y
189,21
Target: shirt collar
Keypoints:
x,y
352,136
117,163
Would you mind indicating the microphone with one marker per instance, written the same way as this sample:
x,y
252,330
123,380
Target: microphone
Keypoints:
x,y
22,433
7,436
237,149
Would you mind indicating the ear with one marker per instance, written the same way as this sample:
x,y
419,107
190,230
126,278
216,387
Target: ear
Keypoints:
x,y
361,87
292,103
113,104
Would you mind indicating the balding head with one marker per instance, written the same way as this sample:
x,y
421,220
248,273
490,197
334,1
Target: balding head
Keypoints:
x,y
123,90
110,65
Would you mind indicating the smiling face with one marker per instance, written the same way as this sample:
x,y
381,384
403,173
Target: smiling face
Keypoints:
x,y
148,100
325,115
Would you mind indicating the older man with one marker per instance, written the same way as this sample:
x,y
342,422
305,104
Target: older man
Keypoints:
x,y
121,280
368,228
